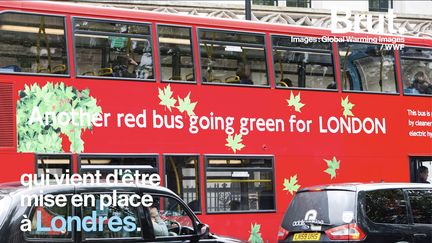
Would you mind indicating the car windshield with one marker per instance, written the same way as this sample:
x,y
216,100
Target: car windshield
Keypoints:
x,y
5,201
319,208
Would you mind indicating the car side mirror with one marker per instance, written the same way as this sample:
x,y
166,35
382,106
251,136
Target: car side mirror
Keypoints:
x,y
203,230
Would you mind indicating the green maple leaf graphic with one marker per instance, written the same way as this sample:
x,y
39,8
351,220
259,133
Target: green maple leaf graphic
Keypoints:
x,y
234,142
255,236
347,107
295,101
291,184
165,97
186,105
333,165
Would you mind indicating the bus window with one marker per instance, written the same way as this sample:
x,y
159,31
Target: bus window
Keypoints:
x,y
123,164
182,178
301,62
32,44
239,184
367,67
54,164
230,57
113,49
416,70
175,51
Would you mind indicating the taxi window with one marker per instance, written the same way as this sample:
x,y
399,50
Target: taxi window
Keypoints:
x,y
125,226
170,218
43,216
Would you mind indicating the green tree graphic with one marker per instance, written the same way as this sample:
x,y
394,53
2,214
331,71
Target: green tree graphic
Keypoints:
x,y
53,98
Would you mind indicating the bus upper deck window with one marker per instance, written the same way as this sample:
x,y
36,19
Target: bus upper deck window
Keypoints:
x,y
416,70
367,67
176,58
303,62
229,57
113,49
32,43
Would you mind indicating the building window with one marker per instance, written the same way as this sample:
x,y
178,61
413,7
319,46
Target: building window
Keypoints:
x,y
298,3
232,57
239,183
301,63
264,2
416,70
367,67
182,178
32,44
113,49
380,5
176,58
54,164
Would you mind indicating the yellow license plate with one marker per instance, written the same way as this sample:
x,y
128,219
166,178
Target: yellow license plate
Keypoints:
x,y
306,236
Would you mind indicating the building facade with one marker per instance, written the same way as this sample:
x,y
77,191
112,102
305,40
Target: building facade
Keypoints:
x,y
412,18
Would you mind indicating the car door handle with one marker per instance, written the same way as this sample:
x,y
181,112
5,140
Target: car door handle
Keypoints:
x,y
420,235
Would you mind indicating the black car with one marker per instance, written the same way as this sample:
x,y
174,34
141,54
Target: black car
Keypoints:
x,y
92,223
376,212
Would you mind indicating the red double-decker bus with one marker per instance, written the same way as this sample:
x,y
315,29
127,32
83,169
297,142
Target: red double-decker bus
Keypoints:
x,y
235,116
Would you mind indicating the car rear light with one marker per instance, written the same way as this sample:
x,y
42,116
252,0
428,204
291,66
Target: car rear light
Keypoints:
x,y
345,232
282,233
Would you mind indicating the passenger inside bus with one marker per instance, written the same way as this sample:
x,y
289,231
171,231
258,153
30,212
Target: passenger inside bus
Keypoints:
x,y
332,85
421,83
120,66
423,174
244,74
286,82
234,205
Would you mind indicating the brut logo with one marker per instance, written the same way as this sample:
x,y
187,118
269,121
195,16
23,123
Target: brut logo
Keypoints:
x,y
349,25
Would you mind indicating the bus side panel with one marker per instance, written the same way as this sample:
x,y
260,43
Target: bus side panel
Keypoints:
x,y
13,165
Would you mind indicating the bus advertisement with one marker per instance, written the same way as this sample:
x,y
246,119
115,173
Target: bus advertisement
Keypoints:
x,y
233,116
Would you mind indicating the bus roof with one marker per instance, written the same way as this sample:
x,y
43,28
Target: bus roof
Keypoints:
x,y
75,9
366,186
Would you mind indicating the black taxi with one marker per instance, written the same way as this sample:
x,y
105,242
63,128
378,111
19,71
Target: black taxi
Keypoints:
x,y
23,219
